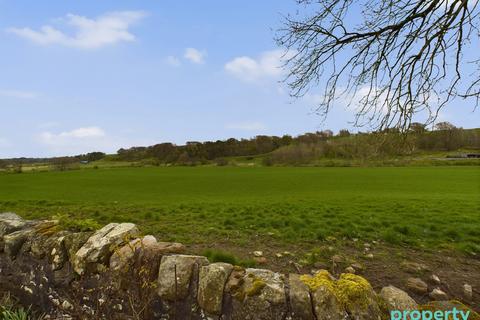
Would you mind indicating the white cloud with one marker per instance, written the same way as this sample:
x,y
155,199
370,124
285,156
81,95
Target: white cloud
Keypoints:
x,y
107,29
77,141
195,55
267,65
247,126
173,61
18,94
80,133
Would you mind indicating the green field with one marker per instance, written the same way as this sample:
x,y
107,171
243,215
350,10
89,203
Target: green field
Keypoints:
x,y
429,207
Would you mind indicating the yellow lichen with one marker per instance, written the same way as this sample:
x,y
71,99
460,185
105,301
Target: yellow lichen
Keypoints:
x,y
256,288
352,290
321,278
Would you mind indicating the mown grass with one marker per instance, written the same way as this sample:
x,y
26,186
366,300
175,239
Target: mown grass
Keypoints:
x,y
431,207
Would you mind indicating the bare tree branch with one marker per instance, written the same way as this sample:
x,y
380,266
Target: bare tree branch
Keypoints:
x,y
405,58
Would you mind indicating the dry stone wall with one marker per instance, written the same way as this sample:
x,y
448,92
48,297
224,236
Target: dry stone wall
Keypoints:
x,y
115,273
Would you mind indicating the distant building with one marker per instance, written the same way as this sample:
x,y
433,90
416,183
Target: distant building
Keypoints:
x,y
473,155
84,162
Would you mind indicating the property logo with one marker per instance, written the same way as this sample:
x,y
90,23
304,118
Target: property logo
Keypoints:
x,y
453,314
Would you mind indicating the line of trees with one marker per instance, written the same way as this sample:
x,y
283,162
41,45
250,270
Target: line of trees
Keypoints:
x,y
305,147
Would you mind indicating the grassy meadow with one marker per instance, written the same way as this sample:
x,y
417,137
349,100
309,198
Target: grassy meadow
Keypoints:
x,y
430,207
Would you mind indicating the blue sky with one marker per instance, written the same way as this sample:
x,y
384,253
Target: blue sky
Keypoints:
x,y
79,76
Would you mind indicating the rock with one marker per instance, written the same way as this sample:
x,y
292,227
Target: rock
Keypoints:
x,y
349,295
14,241
438,294
369,256
10,222
56,251
416,285
358,297
338,259
123,257
100,245
413,267
258,253
435,279
300,300
350,270
67,305
326,305
278,255
211,283
183,266
74,241
261,296
467,291
358,267
260,260
397,299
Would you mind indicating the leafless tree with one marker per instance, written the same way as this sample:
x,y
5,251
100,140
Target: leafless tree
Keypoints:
x,y
392,59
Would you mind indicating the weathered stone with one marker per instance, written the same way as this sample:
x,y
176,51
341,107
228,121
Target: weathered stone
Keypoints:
x,y
10,222
417,285
438,294
258,253
350,294
350,269
122,257
358,267
171,288
14,241
326,304
261,296
74,241
38,242
57,252
358,297
435,279
397,299
300,300
211,286
98,248
148,245
413,267
467,291
260,260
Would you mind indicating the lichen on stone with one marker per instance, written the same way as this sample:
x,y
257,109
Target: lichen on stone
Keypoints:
x,y
350,289
321,278
353,289
256,288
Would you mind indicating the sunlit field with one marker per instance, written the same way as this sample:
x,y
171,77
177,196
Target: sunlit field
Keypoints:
x,y
431,207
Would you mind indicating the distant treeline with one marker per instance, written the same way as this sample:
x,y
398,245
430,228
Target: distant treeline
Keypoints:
x,y
60,163
301,149
306,147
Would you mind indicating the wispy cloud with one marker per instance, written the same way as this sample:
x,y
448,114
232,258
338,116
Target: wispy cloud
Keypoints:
x,y
80,133
247,126
89,33
76,141
19,94
195,56
267,66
